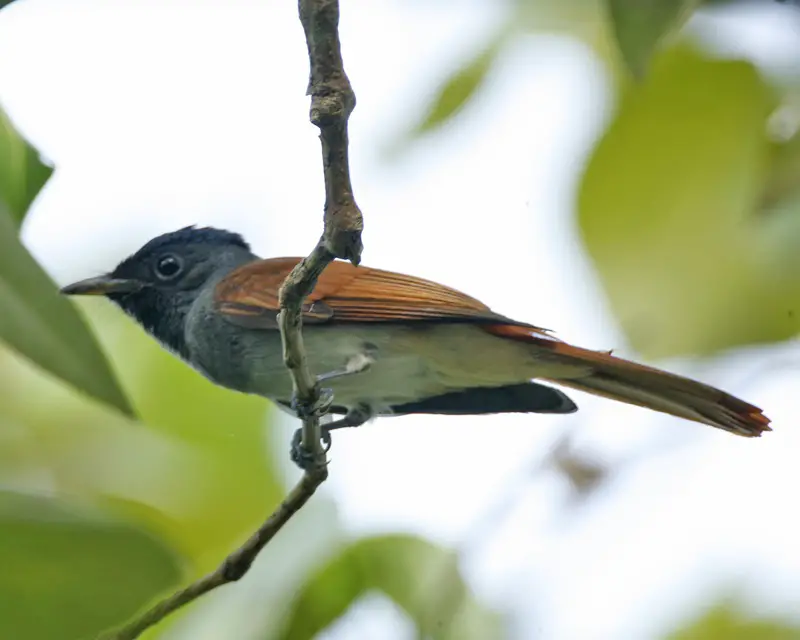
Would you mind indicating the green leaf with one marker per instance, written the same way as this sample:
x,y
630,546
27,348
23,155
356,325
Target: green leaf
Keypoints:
x,y
669,212
420,577
22,173
641,25
460,87
724,622
44,326
70,573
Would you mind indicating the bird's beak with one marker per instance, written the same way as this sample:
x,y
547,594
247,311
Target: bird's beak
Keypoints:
x,y
100,286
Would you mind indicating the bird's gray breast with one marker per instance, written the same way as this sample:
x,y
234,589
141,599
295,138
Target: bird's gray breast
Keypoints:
x,y
220,350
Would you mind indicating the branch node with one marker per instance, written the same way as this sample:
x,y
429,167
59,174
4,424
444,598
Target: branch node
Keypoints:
x,y
329,109
234,568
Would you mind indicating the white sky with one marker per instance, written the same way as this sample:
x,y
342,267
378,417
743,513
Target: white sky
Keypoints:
x,y
161,114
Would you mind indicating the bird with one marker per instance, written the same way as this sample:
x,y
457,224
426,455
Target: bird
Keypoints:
x,y
381,343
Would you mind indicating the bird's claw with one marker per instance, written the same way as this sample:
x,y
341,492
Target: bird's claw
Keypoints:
x,y
327,441
301,456
317,408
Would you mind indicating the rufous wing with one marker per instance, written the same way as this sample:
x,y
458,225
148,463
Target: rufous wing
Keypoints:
x,y
345,293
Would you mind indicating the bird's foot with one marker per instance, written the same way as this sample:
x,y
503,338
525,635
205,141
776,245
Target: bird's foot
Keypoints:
x,y
317,408
359,363
301,456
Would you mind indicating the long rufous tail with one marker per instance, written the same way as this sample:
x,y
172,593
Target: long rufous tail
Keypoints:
x,y
637,384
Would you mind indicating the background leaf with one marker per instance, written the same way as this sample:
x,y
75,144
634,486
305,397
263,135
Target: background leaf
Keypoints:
x,y
457,90
670,202
22,173
69,573
640,25
45,326
421,578
724,622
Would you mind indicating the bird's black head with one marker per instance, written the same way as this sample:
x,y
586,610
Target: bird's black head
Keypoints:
x,y
158,284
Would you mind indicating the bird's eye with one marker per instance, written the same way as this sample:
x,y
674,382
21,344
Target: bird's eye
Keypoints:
x,y
168,266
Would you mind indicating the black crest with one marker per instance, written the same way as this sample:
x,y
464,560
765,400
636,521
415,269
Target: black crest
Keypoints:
x,y
175,240
195,235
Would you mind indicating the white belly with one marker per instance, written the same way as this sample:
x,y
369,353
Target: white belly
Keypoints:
x,y
397,375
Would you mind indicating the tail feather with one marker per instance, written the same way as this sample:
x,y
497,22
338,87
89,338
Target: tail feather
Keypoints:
x,y
618,379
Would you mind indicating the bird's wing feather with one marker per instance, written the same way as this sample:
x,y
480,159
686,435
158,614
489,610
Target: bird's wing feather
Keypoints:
x,y
345,293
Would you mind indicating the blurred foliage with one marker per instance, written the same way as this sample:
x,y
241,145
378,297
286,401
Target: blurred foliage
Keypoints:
x,y
669,204
641,25
34,318
420,577
457,90
584,473
692,191
22,173
630,32
70,573
724,622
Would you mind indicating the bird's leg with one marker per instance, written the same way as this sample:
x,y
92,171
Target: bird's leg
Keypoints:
x,y
358,363
355,364
318,407
355,417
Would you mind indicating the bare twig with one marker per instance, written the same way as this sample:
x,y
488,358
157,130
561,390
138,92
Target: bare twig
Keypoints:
x,y
332,101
